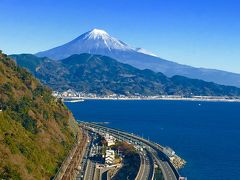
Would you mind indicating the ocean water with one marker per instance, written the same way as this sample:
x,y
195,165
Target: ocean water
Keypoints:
x,y
205,134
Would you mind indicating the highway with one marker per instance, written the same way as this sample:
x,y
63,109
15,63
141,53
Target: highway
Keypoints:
x,y
145,167
84,162
155,150
89,174
97,174
166,169
89,170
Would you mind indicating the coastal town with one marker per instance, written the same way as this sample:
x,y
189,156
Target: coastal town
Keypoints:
x,y
74,96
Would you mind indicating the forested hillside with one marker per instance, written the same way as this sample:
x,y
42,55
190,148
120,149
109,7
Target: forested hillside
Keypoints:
x,y
103,75
36,130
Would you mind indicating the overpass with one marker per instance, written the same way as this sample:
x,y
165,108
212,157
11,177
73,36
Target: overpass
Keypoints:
x,y
91,170
155,150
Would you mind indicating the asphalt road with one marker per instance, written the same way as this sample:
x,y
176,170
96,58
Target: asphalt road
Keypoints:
x,y
154,149
89,173
144,170
166,169
84,162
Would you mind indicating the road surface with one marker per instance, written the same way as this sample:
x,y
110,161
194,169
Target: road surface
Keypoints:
x,y
145,167
168,170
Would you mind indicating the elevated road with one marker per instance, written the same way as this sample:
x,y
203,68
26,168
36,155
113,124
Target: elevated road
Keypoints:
x,y
87,165
90,169
144,172
89,174
155,150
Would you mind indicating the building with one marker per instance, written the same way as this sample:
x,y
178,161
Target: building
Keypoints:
x,y
110,140
110,157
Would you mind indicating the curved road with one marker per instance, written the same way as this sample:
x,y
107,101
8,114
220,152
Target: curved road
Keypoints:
x,y
168,170
146,168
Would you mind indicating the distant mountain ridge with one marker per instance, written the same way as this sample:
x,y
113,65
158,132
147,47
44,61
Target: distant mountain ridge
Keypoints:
x,y
103,75
101,43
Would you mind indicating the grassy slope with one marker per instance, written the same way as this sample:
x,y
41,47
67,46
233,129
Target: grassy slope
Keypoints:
x,y
35,130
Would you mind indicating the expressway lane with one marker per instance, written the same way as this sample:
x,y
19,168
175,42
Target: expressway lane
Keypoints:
x,y
140,175
86,165
97,174
91,165
169,172
89,174
145,172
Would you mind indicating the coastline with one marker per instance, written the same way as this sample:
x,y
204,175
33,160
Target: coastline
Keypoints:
x,y
158,99
189,126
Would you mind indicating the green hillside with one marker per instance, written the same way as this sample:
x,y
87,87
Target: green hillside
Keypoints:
x,y
36,130
103,75
29,61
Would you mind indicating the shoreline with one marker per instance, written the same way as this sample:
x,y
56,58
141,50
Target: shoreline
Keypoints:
x,y
159,99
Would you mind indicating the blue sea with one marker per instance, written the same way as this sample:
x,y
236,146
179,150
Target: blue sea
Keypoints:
x,y
205,134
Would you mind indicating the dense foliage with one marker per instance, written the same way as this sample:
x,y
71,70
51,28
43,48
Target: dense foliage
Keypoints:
x,y
103,75
36,130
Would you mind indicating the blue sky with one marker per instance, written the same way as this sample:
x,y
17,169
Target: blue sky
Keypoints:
x,y
201,33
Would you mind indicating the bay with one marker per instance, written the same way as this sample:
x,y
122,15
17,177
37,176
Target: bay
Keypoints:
x,y
205,134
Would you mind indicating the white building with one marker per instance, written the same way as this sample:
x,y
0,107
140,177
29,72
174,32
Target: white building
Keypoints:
x,y
110,157
110,140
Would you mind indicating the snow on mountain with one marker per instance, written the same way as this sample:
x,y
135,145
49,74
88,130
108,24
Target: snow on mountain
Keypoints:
x,y
144,51
101,39
95,41
97,34
100,42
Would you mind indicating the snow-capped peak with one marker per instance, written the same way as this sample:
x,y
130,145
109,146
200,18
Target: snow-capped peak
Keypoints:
x,y
97,33
95,41
99,39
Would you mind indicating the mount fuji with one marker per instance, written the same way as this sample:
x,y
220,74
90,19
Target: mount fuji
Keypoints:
x,y
95,41
100,42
